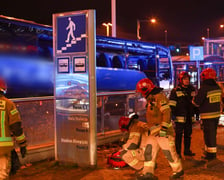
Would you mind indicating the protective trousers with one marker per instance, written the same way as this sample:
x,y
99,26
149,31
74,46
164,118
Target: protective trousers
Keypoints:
x,y
210,132
154,143
145,157
180,129
5,165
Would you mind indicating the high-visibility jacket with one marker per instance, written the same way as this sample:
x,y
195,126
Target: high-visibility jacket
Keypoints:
x,y
180,101
132,154
10,126
208,99
158,113
135,131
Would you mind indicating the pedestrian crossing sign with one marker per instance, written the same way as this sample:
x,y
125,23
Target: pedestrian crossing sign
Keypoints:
x,y
71,34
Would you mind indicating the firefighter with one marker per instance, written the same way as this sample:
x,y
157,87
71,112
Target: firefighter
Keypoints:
x,y
10,126
160,133
183,112
135,129
208,100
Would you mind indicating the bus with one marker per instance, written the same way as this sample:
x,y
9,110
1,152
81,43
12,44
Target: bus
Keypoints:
x,y
26,62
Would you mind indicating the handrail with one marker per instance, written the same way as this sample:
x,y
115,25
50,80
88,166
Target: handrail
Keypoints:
x,y
32,99
42,98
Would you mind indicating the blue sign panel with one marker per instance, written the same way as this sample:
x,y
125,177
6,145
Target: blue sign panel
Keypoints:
x,y
196,53
75,139
71,34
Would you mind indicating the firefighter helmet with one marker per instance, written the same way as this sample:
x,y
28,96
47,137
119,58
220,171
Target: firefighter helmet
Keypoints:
x,y
145,86
182,75
124,121
208,73
3,86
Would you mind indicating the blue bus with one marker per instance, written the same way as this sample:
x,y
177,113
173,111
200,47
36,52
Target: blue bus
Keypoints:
x,y
27,62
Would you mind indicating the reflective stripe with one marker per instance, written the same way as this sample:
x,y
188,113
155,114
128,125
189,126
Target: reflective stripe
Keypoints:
x,y
214,92
180,119
210,115
6,144
164,107
149,164
133,153
172,103
172,143
211,149
14,111
134,162
155,129
134,134
5,139
21,137
180,93
165,124
2,124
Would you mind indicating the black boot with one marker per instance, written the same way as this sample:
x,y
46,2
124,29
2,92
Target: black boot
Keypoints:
x,y
147,176
189,153
187,144
177,175
209,156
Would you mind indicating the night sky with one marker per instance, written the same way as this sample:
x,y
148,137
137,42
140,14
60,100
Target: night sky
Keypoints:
x,y
185,20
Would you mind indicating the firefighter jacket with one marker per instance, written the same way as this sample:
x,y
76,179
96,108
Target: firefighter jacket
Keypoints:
x,y
10,126
208,99
135,131
158,112
180,101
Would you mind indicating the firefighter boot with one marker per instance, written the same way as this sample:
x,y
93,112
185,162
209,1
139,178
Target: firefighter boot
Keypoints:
x,y
147,176
187,144
209,156
177,175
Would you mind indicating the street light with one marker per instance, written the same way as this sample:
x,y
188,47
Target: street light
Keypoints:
x,y
107,25
153,21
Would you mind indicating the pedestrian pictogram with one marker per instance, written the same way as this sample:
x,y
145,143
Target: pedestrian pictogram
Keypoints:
x,y
71,28
71,34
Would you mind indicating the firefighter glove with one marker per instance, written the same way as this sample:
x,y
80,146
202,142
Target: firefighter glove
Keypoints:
x,y
23,151
197,117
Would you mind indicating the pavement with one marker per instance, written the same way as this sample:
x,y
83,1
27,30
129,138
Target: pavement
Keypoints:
x,y
194,168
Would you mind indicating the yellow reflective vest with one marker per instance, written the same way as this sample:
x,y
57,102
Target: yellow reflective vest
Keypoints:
x,y
159,113
9,116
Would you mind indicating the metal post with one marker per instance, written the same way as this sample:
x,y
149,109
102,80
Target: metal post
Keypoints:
x,y
113,14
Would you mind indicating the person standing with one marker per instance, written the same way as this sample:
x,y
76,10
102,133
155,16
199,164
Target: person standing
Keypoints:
x,y
208,100
160,134
10,126
183,112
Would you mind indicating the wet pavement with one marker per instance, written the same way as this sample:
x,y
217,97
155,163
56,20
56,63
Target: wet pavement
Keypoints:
x,y
194,168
